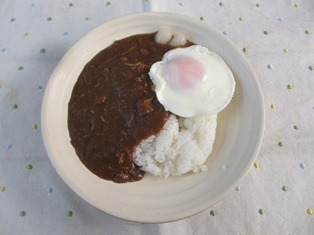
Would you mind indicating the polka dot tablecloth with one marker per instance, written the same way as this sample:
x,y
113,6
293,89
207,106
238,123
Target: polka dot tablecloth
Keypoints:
x,y
277,38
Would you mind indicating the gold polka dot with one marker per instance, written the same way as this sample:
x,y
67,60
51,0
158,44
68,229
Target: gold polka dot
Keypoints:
x,y
309,211
256,165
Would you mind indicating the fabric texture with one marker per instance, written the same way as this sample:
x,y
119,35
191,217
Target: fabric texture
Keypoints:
x,y
276,196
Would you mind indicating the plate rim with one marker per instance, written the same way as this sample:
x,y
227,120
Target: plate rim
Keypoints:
x,y
45,102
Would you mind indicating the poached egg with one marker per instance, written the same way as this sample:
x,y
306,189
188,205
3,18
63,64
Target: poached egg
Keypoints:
x,y
192,81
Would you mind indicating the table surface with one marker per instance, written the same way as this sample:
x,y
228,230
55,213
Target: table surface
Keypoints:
x,y
276,196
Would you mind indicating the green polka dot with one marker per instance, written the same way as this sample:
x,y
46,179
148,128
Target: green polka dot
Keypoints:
x,y
212,213
307,32
42,50
29,166
69,213
25,34
109,3
20,68
2,189
309,211
284,188
311,68
297,5
273,106
290,86
23,213
15,106
34,126
241,18
202,18
280,144
49,19
261,211
87,18
245,49
258,5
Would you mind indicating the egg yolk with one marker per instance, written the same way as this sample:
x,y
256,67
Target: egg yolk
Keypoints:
x,y
184,73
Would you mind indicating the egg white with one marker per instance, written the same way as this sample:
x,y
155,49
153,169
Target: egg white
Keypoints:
x,y
210,97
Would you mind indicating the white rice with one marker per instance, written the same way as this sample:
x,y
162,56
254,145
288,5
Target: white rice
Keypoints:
x,y
183,145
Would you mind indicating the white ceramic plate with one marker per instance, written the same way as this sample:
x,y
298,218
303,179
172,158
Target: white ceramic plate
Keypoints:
x,y
154,200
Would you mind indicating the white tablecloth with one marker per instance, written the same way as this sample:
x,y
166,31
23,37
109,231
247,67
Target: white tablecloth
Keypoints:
x,y
276,197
